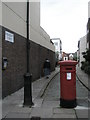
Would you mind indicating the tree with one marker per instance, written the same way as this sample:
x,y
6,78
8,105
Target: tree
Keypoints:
x,y
86,55
86,64
75,56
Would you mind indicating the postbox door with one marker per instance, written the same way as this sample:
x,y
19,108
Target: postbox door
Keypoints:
x,y
68,85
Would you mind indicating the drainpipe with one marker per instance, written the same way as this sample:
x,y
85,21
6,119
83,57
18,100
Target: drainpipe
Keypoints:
x,y
28,76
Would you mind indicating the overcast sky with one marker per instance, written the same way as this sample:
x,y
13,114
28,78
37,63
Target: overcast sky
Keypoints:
x,y
65,19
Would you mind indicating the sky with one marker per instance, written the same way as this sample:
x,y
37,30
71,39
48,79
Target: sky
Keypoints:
x,y
65,19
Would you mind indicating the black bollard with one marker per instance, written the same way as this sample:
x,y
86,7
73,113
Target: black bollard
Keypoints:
x,y
28,90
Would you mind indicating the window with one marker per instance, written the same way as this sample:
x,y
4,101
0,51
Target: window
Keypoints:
x,y
56,44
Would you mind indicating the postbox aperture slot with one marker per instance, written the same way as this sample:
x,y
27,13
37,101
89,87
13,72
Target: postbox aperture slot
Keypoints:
x,y
68,68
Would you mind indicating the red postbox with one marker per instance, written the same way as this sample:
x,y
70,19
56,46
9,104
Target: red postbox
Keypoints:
x,y
68,84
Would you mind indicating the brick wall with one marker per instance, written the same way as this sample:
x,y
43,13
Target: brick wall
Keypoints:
x,y
12,77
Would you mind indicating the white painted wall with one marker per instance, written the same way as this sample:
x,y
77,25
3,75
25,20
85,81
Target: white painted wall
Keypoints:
x,y
0,47
37,33
57,47
77,55
83,46
35,15
0,61
71,57
0,12
89,9
14,18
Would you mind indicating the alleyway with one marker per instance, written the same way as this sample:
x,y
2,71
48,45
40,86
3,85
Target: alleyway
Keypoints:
x,y
46,98
52,95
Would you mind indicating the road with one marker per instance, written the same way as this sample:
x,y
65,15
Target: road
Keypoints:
x,y
52,92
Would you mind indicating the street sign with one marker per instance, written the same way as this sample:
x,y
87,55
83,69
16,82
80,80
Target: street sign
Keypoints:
x,y
9,36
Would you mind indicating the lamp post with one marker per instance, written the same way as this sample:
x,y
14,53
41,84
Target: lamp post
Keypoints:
x,y
28,76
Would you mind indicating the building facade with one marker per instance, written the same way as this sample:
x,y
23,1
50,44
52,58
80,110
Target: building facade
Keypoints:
x,y
58,47
84,42
13,47
82,46
88,27
89,9
88,33
71,56
0,58
65,56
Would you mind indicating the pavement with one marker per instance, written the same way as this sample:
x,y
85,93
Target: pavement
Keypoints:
x,y
83,77
83,112
12,106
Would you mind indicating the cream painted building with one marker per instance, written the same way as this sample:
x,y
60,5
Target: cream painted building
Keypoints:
x,y
89,9
13,25
84,42
82,45
0,61
88,27
58,47
16,21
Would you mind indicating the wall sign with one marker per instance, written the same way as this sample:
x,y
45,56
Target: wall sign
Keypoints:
x,y
68,76
9,36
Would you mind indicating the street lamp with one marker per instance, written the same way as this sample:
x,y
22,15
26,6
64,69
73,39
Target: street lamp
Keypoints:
x,y
28,76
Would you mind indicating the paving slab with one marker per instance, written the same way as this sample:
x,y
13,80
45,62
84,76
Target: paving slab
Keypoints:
x,y
51,104
21,109
6,109
63,111
17,115
38,102
41,112
64,116
82,113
